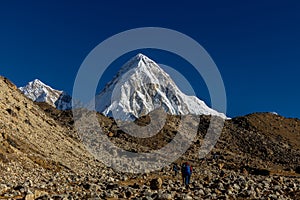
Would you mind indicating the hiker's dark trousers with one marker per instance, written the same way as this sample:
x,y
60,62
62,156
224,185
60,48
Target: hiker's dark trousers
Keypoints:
x,y
187,179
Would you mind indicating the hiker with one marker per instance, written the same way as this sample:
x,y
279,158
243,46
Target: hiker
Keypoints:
x,y
187,172
183,173
175,169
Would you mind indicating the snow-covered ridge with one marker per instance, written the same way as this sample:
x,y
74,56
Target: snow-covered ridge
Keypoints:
x,y
140,87
38,91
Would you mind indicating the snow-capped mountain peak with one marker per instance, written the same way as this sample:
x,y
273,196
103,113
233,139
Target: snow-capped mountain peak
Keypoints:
x,y
139,62
141,87
38,91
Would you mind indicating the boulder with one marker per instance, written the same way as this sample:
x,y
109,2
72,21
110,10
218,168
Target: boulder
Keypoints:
x,y
155,183
29,197
39,193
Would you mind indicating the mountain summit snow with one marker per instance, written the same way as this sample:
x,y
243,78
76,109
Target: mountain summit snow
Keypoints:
x,y
40,92
141,87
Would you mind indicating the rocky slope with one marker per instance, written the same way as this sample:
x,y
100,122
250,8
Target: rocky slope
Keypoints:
x,y
256,157
34,147
41,157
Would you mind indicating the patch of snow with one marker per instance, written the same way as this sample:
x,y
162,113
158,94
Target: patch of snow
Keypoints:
x,y
274,113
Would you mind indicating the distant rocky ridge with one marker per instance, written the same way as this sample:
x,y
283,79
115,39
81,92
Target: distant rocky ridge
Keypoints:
x,y
39,92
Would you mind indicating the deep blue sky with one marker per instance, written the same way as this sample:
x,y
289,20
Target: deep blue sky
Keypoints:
x,y
255,44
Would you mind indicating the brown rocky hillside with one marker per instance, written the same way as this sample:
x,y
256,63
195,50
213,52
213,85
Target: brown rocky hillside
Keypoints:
x,y
35,148
27,132
41,157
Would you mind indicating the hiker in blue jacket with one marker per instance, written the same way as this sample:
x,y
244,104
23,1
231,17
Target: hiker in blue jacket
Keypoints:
x,y
187,172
